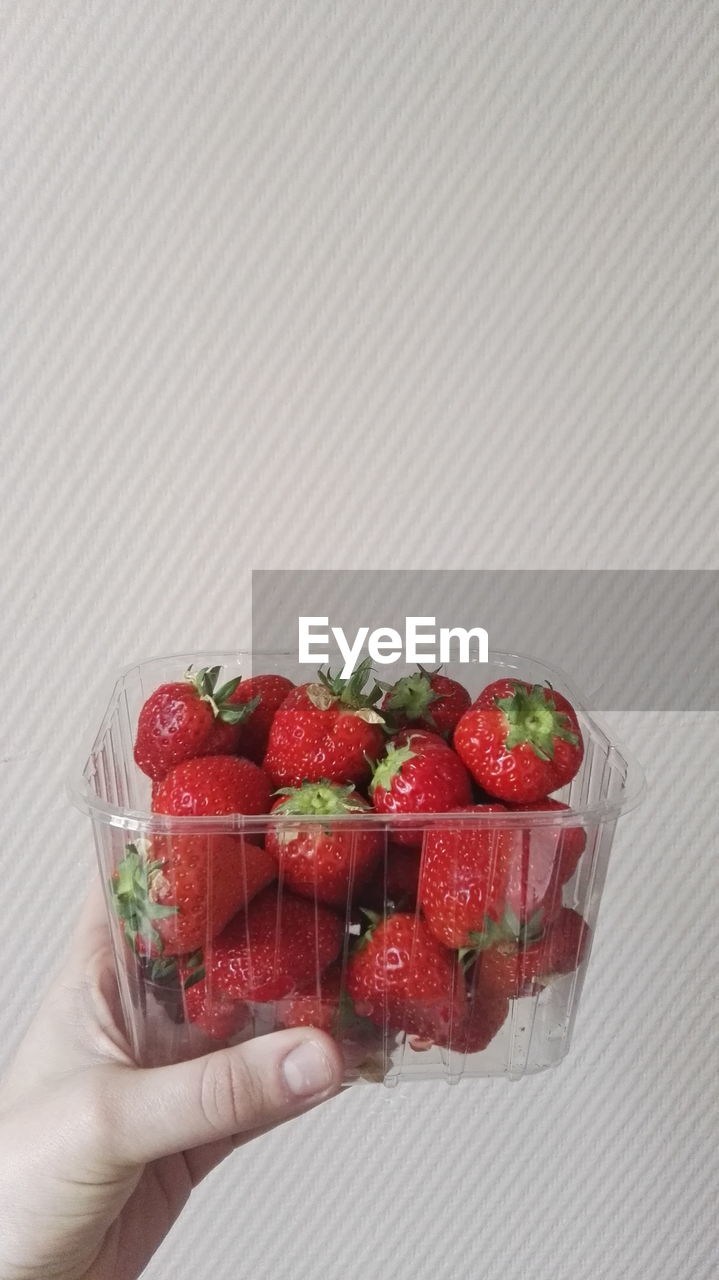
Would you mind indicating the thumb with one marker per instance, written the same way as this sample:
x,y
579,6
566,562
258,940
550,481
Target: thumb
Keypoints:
x,y
158,1111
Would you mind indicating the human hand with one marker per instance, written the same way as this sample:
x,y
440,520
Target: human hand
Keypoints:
x,y
98,1156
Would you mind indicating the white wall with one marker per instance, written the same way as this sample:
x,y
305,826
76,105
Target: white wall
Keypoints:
x,y
398,284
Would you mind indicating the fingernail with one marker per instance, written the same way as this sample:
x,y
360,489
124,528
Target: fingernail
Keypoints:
x,y
307,1070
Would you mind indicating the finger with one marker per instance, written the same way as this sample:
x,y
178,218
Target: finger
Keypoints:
x,y
162,1110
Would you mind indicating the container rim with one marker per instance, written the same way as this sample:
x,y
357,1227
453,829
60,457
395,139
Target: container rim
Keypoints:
x,y
86,799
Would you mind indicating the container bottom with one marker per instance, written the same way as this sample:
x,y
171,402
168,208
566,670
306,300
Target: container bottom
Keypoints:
x,y
535,1037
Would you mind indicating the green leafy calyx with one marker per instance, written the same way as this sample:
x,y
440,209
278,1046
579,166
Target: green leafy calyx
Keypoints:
x,y
204,682
318,799
194,970
510,931
532,718
133,886
351,692
390,765
163,969
373,919
412,697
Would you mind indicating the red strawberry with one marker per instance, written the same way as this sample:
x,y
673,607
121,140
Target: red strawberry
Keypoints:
x,y
403,980
567,940
279,943
426,700
402,878
485,1012
395,884
521,745
484,1018
216,1013
174,893
271,690
531,886
528,881
321,859
564,845
543,858
510,970
327,1005
326,730
463,879
182,720
514,971
417,777
423,738
213,785
316,1005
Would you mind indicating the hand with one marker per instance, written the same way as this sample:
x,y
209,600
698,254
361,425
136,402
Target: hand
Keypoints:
x,y
99,1156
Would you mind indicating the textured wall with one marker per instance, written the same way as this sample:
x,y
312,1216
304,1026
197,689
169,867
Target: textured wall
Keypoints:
x,y
382,284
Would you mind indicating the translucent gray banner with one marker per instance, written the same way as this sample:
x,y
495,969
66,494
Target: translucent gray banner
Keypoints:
x,y
629,639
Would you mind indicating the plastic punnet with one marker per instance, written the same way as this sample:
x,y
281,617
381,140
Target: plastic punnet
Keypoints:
x,y
176,1008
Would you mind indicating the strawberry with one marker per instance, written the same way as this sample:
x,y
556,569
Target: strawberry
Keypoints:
x,y
402,878
520,741
513,971
510,970
426,700
397,887
317,1005
266,693
424,738
182,720
327,1005
173,893
323,860
507,687
463,879
563,846
277,944
213,785
524,877
419,777
543,858
567,939
484,1014
326,730
215,1012
403,980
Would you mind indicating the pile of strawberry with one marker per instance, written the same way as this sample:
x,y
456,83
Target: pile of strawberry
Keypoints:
x,y
406,925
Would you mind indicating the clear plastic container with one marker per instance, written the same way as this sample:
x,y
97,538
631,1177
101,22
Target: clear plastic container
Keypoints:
x,y
536,1031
